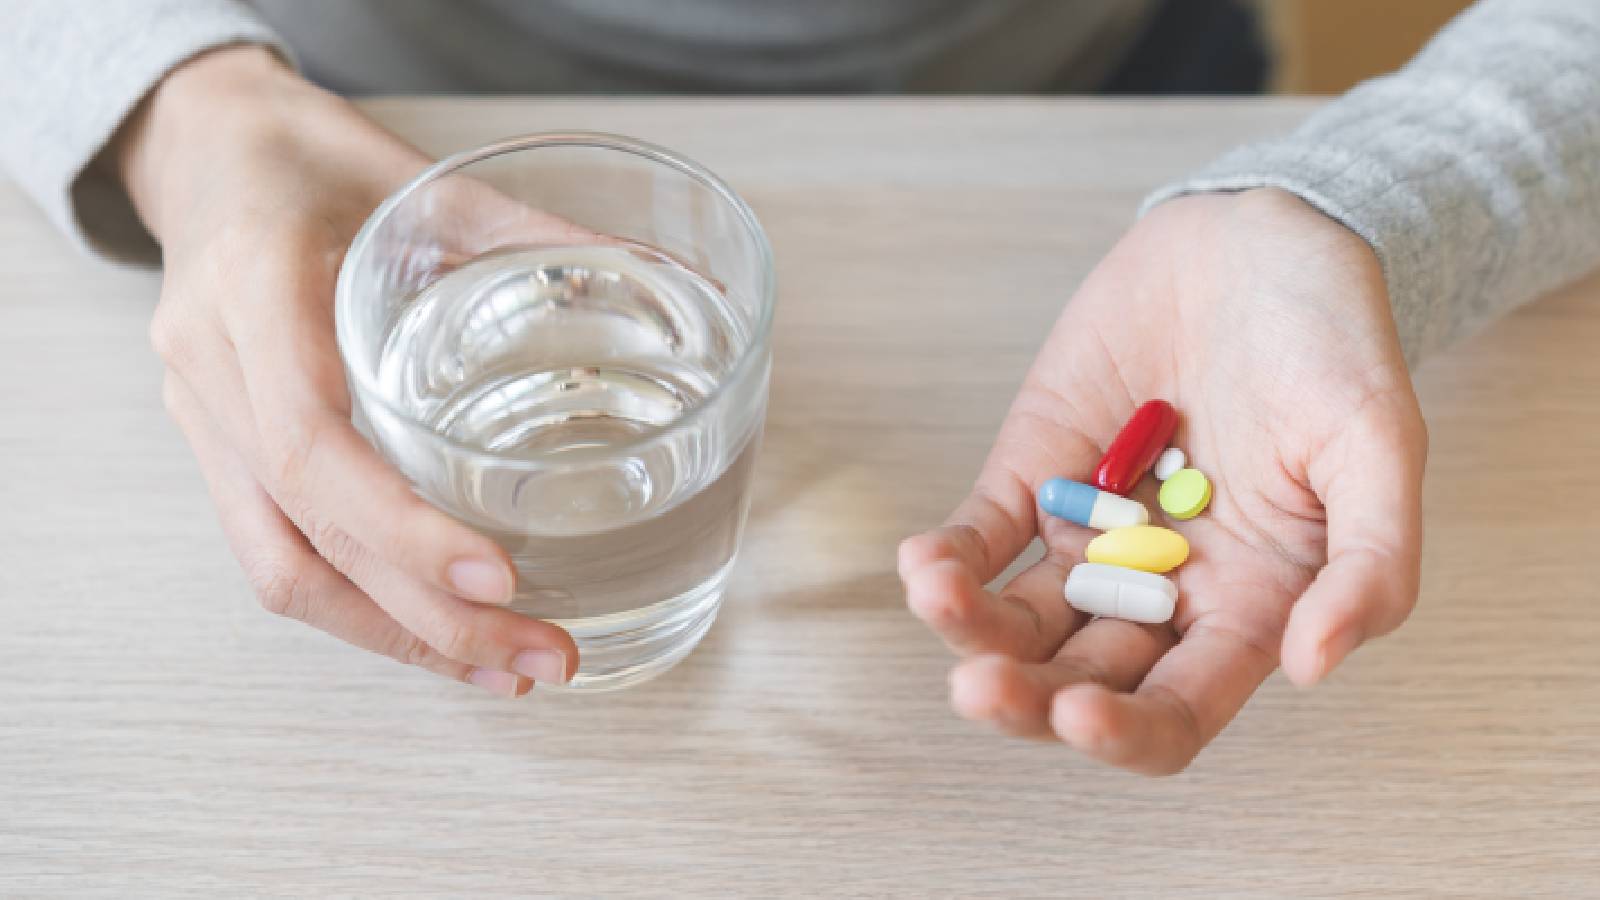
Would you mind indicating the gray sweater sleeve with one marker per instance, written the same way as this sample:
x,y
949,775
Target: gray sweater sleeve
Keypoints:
x,y
1474,172
70,72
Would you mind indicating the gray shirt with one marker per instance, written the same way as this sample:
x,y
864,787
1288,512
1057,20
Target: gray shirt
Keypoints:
x,y
72,70
723,46
1474,172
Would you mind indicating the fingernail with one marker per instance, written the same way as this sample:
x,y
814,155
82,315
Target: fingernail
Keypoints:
x,y
543,666
501,683
1335,649
480,580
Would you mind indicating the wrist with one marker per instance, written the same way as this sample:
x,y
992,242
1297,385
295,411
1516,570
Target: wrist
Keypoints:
x,y
205,106
1320,232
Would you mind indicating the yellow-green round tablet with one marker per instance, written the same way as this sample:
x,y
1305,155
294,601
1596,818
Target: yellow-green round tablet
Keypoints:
x,y
1185,494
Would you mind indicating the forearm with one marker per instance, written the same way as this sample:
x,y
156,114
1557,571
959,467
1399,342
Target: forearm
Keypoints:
x,y
71,73
1474,172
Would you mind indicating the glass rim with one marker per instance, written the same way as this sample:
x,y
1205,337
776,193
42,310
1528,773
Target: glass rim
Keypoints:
x,y
364,382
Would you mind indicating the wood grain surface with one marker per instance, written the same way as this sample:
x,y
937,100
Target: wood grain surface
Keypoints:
x,y
160,735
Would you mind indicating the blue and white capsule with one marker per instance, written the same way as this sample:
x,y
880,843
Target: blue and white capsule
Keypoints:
x,y
1088,505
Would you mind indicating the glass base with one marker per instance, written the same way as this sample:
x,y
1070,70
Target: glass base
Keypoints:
x,y
625,649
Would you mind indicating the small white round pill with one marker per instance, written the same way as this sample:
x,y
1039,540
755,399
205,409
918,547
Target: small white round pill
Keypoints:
x,y
1169,462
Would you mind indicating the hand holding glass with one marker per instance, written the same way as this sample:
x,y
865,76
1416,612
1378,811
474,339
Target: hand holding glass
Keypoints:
x,y
562,341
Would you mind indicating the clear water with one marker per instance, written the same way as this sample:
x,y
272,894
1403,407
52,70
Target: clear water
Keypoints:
x,y
578,357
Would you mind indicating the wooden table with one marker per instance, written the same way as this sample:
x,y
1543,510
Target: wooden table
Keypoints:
x,y
161,735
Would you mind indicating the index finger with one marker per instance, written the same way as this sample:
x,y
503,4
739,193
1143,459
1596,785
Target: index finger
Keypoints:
x,y
945,569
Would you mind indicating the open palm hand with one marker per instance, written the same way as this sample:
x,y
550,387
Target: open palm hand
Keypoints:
x,y
1267,326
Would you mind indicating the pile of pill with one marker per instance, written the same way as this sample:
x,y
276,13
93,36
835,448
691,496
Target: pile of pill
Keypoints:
x,y
1124,575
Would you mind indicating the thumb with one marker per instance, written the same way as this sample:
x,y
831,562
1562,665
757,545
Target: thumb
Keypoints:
x,y
1369,479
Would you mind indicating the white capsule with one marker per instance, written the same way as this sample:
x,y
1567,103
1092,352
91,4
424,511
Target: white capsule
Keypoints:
x,y
1119,593
1169,462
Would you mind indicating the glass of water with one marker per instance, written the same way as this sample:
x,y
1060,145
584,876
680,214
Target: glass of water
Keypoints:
x,y
562,341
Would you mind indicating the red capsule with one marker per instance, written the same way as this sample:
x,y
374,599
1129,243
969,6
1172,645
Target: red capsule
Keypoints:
x,y
1136,447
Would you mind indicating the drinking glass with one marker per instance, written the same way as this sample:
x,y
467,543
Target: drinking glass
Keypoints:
x,y
562,340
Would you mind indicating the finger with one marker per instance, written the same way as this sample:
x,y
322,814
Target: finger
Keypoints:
x,y
470,217
290,578
489,637
1046,434
323,473
1043,437
1016,696
944,570
984,534
1371,486
200,356
1027,618
1185,701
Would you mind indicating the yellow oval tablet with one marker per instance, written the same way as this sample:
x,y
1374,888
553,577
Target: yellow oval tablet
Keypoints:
x,y
1147,548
